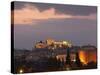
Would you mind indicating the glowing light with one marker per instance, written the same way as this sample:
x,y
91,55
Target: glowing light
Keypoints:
x,y
64,42
86,57
82,56
74,60
21,71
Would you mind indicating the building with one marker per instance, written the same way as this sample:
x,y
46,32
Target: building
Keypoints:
x,y
61,57
88,53
40,45
49,42
87,56
52,44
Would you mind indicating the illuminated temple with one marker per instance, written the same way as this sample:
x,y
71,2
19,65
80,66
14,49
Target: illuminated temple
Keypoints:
x,y
86,54
52,44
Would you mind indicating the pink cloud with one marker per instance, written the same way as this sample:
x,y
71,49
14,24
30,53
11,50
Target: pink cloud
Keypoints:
x,y
89,17
31,14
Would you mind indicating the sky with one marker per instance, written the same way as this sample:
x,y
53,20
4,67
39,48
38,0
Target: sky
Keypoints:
x,y
34,22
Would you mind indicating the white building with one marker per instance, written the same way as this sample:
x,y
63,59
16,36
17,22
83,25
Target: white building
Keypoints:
x,y
52,44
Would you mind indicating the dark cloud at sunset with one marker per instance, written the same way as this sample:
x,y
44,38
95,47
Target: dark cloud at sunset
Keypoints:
x,y
32,14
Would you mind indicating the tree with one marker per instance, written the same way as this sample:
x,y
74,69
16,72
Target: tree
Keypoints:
x,y
68,56
78,62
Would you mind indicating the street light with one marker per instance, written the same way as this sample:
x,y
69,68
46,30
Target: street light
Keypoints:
x,y
21,71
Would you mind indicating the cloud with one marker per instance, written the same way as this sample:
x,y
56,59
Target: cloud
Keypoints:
x,y
89,17
31,15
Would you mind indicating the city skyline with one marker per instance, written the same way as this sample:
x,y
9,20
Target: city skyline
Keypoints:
x,y
35,22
